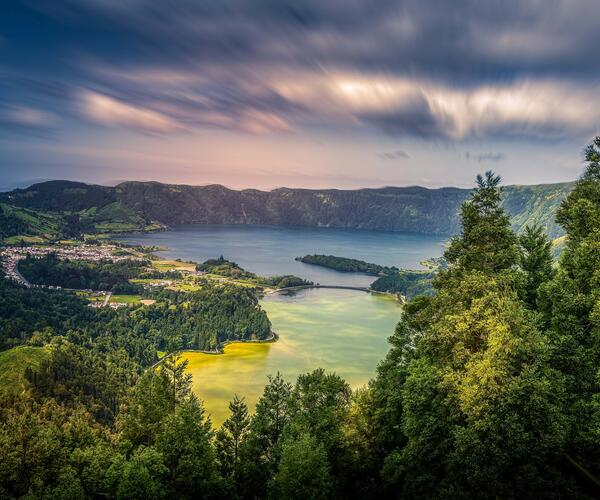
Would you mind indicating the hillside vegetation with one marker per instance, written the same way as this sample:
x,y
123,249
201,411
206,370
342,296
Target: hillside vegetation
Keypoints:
x,y
490,388
14,363
226,268
61,209
346,265
146,205
31,224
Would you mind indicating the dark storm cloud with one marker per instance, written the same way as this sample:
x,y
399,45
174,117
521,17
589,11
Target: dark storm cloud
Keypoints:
x,y
463,38
273,65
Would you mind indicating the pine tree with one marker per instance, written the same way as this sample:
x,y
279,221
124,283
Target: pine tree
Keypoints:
x,y
536,261
185,445
260,450
229,438
180,380
487,243
141,417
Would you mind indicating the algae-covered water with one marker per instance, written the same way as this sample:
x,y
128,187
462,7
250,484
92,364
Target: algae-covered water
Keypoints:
x,y
340,330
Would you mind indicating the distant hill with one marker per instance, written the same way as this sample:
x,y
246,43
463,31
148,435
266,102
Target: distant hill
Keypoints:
x,y
138,205
19,223
65,209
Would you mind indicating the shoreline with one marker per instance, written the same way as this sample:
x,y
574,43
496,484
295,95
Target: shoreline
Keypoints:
x,y
401,298
273,337
305,287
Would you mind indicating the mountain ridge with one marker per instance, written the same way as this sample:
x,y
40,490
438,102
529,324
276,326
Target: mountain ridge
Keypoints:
x,y
392,208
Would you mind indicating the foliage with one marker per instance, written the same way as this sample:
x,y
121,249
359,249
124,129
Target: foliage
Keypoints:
x,y
570,303
10,224
407,209
24,222
408,283
224,267
15,362
230,437
469,381
25,311
486,243
73,375
346,265
303,470
536,261
79,274
491,387
260,451
202,319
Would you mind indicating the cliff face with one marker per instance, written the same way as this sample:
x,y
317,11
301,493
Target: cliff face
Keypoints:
x,y
414,209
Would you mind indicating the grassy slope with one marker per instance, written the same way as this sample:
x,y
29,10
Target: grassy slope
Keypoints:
x,y
39,224
173,265
116,217
125,299
13,364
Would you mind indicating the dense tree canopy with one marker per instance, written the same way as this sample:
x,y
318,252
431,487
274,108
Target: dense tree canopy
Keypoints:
x,y
490,389
78,274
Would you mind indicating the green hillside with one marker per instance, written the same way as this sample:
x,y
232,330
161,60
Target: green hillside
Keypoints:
x,y
18,223
536,204
133,206
113,217
47,212
13,364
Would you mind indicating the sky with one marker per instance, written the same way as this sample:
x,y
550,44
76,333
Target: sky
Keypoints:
x,y
306,93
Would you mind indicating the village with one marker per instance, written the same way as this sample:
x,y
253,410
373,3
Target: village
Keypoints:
x,y
11,256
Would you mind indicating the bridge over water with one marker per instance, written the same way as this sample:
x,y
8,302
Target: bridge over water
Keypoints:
x,y
303,287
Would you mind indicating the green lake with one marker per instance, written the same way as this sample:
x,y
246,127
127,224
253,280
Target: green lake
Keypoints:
x,y
340,330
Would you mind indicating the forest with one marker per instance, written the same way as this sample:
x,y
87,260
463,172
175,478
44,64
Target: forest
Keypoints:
x,y
10,225
229,269
490,389
78,274
201,319
346,265
408,283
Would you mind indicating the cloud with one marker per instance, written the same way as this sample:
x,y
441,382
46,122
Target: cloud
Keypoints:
x,y
105,110
27,117
27,121
475,39
274,102
485,157
394,155
517,68
542,109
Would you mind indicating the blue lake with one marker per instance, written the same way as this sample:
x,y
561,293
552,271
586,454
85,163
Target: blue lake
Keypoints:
x,y
268,251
